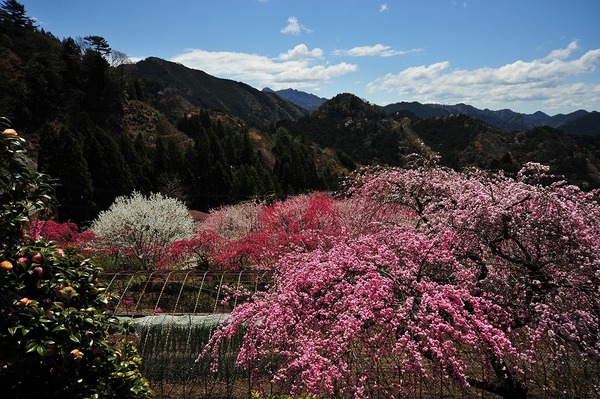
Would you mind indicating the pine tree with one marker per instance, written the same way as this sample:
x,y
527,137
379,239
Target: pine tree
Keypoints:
x,y
61,156
106,165
12,13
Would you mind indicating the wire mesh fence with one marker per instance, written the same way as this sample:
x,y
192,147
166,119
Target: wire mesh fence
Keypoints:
x,y
176,312
182,292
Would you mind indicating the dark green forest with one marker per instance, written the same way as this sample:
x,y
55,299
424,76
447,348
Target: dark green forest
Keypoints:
x,y
101,127
99,133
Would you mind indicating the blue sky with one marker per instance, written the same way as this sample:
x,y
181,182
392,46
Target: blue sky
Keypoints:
x,y
526,55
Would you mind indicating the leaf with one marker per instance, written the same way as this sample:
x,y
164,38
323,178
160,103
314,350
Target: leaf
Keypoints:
x,y
41,350
59,328
31,347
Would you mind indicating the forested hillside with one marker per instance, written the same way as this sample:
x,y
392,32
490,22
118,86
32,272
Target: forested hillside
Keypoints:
x,y
358,132
462,141
101,130
175,90
103,127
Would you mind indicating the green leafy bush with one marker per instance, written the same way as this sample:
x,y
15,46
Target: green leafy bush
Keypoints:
x,y
54,317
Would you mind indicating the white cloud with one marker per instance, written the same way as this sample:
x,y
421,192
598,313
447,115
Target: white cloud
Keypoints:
x,y
301,51
319,73
562,53
294,27
299,67
383,7
378,50
549,79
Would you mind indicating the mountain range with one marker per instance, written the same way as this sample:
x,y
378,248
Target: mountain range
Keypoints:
x,y
176,87
578,122
103,130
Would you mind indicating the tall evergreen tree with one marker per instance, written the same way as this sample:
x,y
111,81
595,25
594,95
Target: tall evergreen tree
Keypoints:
x,y
106,165
97,44
12,13
61,156
200,163
103,94
11,82
72,75
138,161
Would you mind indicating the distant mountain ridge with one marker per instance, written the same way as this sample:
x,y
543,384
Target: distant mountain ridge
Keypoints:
x,y
363,134
195,88
357,132
305,100
579,122
506,119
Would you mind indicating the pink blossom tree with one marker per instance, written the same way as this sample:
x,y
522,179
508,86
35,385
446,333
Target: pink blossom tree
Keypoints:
x,y
492,271
235,221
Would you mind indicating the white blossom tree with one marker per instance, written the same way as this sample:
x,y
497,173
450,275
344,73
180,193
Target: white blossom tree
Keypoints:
x,y
143,226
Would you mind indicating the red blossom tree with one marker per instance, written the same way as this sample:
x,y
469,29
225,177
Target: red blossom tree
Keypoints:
x,y
63,234
214,245
302,222
199,251
493,275
255,236
52,230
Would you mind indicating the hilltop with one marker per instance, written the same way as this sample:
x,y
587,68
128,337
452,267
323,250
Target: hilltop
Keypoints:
x,y
176,89
305,100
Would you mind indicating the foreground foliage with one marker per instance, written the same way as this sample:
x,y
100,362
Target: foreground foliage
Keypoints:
x,y
493,285
54,318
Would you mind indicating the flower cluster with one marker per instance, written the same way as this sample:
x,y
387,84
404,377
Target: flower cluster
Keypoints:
x,y
474,277
255,236
142,227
